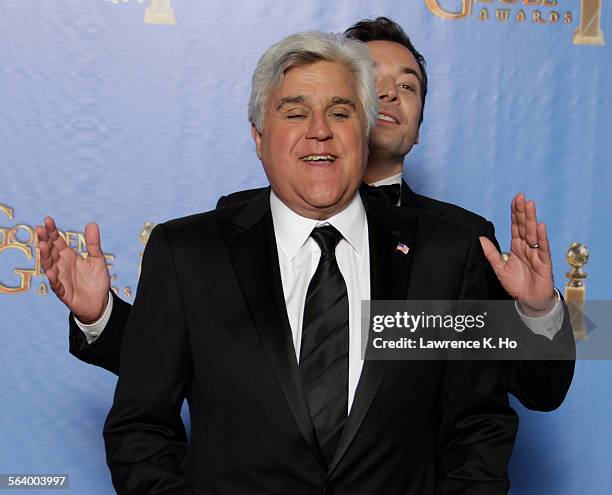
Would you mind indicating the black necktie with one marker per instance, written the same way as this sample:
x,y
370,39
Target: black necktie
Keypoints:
x,y
389,194
324,349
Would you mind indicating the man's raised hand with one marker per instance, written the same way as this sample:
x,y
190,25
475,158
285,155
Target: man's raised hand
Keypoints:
x,y
80,283
527,275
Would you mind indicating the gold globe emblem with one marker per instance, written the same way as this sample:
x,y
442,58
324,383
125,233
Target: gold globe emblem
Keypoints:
x,y
577,256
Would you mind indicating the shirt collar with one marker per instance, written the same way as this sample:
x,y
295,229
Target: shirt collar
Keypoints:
x,y
292,230
394,179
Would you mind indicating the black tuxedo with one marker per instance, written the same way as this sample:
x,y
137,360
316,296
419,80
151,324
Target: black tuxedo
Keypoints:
x,y
539,385
209,324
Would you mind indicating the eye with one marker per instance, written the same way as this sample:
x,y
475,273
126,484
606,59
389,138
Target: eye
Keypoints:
x,y
296,116
407,86
339,115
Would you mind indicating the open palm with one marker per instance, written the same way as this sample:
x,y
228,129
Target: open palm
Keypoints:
x,y
80,283
527,274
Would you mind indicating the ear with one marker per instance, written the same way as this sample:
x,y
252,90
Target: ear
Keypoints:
x,y
257,138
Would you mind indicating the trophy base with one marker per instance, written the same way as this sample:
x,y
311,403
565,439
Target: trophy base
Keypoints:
x,y
583,39
153,17
575,297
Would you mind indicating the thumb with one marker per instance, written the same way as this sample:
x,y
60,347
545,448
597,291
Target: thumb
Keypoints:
x,y
491,253
92,240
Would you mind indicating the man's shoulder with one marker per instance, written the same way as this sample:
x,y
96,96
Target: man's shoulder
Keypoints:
x,y
429,223
239,197
202,225
452,212
441,227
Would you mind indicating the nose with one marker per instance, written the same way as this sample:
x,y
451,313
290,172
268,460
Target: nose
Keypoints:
x,y
387,91
318,128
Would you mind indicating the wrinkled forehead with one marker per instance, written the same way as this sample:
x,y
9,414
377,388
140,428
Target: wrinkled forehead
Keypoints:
x,y
314,82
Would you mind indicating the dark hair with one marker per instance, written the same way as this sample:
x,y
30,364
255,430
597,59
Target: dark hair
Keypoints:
x,y
384,29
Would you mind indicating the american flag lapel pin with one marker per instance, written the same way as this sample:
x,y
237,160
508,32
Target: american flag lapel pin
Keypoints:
x,y
402,248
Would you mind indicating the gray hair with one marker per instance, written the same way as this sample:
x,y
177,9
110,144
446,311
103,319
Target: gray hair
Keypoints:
x,y
306,48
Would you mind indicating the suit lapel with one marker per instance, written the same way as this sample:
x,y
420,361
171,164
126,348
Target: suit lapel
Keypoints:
x,y
252,247
410,199
390,271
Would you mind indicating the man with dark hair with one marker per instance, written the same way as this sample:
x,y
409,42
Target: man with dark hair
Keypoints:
x,y
401,82
384,29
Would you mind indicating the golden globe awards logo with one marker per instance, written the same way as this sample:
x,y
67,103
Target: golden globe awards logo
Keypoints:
x,y
160,12
542,12
19,252
157,11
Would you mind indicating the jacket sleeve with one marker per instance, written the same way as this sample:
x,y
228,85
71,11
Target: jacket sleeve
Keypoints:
x,y
144,435
539,384
105,350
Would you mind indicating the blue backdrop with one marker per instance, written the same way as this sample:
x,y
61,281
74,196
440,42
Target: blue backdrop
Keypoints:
x,y
126,112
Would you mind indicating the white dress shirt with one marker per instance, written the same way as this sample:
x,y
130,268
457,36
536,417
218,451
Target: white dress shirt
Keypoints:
x,y
298,257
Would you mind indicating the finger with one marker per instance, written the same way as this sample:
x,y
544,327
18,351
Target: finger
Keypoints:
x,y
54,235
55,255
51,228
517,249
514,223
492,254
520,214
55,284
41,232
45,258
59,290
544,251
53,279
531,224
92,240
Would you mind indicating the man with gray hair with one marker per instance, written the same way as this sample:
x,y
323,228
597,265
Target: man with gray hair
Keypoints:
x,y
250,312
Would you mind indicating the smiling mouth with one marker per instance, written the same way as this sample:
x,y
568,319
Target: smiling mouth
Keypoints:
x,y
319,158
387,118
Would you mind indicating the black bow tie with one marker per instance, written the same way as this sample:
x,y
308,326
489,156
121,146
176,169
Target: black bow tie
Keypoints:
x,y
389,194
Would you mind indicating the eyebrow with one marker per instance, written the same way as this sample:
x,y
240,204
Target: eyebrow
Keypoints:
x,y
339,100
336,100
406,70
290,99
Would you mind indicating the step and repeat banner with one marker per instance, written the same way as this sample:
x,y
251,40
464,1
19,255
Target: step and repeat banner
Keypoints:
x,y
132,112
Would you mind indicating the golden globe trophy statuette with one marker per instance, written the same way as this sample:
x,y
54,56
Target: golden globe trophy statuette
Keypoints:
x,y
589,31
160,12
577,256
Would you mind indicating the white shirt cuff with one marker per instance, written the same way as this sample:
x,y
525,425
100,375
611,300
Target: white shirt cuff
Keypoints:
x,y
547,325
93,330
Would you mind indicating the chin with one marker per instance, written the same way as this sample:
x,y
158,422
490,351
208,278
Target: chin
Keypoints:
x,y
381,140
324,200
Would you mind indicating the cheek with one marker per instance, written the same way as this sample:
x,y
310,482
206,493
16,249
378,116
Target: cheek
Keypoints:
x,y
358,153
285,141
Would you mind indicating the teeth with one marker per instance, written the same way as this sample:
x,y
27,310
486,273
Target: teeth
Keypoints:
x,y
319,158
386,117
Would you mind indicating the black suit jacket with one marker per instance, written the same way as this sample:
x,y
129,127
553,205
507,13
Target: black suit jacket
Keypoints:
x,y
209,324
539,385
